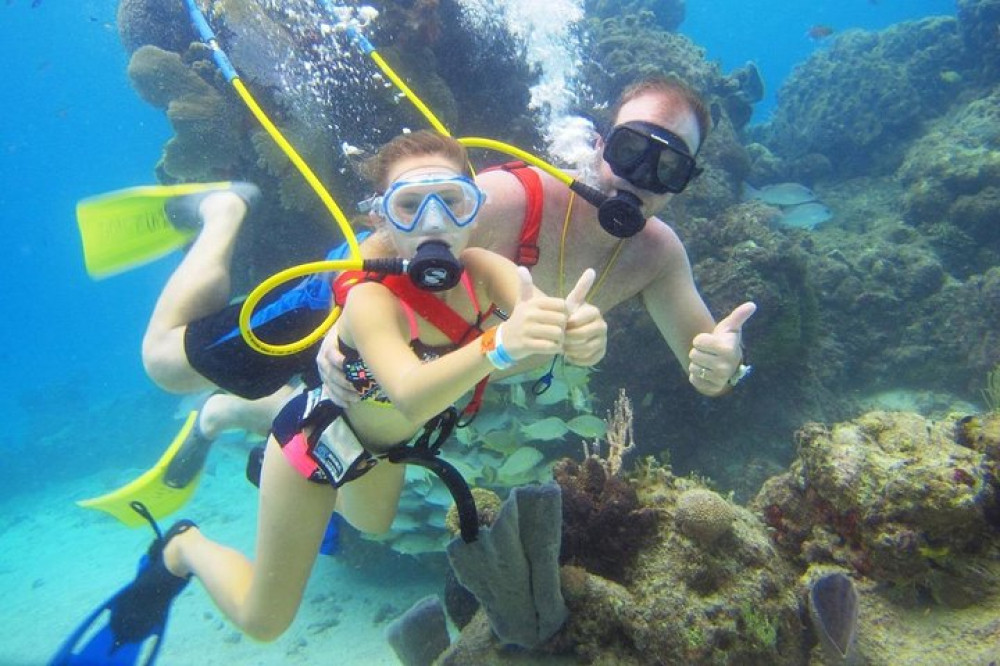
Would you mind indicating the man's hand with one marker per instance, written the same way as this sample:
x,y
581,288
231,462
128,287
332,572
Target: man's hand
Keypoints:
x,y
330,362
716,356
586,331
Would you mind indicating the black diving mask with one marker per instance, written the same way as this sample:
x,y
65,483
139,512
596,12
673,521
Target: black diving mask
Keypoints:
x,y
650,157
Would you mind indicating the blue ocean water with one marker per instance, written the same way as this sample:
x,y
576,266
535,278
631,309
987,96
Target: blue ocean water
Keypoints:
x,y
775,35
73,127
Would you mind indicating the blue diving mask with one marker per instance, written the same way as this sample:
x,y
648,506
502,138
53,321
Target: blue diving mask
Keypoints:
x,y
455,198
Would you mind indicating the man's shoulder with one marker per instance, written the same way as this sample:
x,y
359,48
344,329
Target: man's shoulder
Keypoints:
x,y
658,244
658,231
502,188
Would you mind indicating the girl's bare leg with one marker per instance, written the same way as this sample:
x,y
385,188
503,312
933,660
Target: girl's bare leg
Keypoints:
x,y
369,503
262,597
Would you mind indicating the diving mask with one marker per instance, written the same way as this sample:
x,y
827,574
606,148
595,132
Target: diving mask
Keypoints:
x,y
650,157
455,197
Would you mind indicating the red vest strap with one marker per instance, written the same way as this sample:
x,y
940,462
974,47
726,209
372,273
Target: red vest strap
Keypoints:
x,y
431,308
527,248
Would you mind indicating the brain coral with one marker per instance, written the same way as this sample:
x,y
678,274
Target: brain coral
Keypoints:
x,y
703,515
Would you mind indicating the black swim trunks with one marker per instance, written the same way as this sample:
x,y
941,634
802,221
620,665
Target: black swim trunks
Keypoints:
x,y
217,350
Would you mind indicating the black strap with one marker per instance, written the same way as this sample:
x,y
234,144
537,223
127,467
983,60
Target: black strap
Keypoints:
x,y
468,516
424,453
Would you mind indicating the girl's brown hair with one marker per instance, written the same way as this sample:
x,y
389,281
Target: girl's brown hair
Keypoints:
x,y
414,144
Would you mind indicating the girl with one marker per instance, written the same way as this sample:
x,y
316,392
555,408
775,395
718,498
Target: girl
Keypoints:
x,y
320,458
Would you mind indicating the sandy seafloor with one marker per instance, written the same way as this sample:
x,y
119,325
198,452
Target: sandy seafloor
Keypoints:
x,y
46,593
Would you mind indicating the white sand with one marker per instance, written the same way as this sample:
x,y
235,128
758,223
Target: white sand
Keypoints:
x,y
58,562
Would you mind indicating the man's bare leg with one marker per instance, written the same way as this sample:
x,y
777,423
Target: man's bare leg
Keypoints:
x,y
199,287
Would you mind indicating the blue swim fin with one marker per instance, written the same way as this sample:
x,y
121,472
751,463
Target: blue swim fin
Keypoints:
x,y
128,628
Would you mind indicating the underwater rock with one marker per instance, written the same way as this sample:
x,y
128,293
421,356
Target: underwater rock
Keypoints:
x,y
703,515
601,612
981,433
892,496
833,608
951,185
977,22
420,634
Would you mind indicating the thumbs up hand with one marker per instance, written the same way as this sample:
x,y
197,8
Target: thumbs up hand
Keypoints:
x,y
716,357
537,322
586,331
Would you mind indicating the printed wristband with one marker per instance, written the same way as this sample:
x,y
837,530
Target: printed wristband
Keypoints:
x,y
501,351
492,347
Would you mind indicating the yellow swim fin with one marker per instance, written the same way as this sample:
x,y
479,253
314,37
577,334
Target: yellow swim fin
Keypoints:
x,y
128,228
150,488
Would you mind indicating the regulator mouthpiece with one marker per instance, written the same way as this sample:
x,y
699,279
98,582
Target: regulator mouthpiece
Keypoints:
x,y
434,267
620,215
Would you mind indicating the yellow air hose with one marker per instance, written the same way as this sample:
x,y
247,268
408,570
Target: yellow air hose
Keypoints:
x,y
354,262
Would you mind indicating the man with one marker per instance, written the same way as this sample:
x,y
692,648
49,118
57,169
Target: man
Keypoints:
x,y
660,126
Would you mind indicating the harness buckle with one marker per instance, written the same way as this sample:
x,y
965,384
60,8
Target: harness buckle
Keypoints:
x,y
527,254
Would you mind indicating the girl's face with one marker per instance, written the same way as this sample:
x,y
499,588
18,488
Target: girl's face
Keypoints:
x,y
429,198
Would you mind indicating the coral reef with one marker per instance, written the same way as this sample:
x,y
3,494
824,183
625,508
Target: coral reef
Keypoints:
x,y
153,22
906,507
207,144
977,21
486,72
668,14
951,174
604,525
703,515
891,496
682,600
858,102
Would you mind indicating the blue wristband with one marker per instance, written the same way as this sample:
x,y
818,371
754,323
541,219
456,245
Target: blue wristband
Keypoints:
x,y
498,356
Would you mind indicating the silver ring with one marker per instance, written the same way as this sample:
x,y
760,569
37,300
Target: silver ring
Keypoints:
x,y
703,373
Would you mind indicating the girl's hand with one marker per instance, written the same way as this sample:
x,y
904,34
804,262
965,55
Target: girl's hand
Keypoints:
x,y
537,324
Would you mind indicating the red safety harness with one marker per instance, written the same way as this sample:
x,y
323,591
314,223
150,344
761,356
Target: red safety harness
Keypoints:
x,y
527,247
433,310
